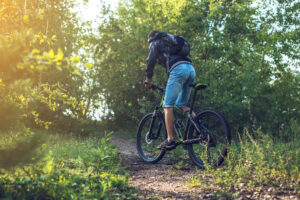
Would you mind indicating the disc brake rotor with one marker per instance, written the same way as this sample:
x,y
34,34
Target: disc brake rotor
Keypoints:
x,y
148,141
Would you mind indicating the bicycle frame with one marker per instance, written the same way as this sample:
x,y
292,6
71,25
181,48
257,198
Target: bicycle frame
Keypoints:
x,y
206,133
190,121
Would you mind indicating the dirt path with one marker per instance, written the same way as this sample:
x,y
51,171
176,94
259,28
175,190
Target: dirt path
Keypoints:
x,y
165,180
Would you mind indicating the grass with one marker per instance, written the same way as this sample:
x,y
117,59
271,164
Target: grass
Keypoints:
x,y
71,168
256,162
252,163
128,133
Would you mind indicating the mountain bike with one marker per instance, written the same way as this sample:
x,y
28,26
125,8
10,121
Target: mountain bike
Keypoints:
x,y
205,136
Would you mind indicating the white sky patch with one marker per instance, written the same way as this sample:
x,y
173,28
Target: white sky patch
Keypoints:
x,y
91,11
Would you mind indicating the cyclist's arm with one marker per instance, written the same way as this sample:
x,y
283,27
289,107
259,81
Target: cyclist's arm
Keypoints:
x,y
151,60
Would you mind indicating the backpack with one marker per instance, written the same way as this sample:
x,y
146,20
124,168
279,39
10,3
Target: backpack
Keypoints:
x,y
174,45
182,48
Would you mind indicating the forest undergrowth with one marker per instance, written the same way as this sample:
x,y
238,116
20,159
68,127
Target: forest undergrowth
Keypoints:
x,y
258,163
68,168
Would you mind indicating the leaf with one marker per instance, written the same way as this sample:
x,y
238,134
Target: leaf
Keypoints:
x,y
27,179
39,67
89,65
53,37
26,19
51,54
60,55
75,59
35,51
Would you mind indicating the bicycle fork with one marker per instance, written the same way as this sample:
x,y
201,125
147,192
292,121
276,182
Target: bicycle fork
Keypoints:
x,y
153,136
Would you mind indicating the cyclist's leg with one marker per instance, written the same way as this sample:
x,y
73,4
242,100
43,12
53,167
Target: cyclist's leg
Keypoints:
x,y
169,120
185,92
175,83
174,86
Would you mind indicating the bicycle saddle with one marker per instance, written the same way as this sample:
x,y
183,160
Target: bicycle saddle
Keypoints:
x,y
198,86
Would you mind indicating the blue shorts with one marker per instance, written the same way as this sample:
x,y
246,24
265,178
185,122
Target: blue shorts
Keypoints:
x,y
178,90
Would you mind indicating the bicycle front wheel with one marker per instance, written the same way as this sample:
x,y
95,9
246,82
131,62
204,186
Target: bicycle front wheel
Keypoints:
x,y
214,139
147,142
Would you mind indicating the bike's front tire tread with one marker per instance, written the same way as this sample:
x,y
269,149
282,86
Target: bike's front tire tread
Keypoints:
x,y
140,150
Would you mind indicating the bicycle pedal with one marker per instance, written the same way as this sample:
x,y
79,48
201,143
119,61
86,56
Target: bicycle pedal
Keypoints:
x,y
170,149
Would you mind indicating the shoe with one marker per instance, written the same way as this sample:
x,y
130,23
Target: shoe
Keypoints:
x,y
167,145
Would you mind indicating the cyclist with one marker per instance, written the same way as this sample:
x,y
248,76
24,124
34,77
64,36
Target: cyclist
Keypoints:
x,y
172,53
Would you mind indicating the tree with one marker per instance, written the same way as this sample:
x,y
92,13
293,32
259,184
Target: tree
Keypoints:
x,y
37,70
231,46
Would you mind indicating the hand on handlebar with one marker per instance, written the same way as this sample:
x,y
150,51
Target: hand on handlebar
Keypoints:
x,y
148,84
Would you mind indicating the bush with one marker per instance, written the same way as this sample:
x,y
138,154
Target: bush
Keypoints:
x,y
72,169
260,161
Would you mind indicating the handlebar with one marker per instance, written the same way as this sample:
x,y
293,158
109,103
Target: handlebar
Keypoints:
x,y
155,87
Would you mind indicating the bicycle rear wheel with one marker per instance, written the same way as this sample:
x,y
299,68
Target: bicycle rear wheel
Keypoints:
x,y
214,138
147,144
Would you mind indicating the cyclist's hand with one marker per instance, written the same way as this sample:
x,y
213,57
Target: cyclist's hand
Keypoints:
x,y
148,84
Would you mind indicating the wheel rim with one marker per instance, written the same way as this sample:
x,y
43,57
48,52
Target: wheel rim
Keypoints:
x,y
148,146
214,144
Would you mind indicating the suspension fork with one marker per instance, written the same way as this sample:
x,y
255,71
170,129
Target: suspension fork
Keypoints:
x,y
154,116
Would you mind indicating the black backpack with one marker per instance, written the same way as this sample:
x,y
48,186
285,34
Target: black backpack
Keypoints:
x,y
174,45
182,48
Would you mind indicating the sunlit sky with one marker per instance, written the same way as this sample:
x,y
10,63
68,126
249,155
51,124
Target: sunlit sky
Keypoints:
x,y
90,10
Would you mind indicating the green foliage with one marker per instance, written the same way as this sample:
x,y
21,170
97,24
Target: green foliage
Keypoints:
x,y
38,68
20,149
72,169
235,49
10,113
39,74
256,162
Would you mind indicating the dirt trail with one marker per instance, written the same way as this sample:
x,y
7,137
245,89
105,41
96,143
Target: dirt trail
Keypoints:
x,y
165,180
161,180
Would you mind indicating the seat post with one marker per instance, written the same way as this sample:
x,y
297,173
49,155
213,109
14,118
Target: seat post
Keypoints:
x,y
193,101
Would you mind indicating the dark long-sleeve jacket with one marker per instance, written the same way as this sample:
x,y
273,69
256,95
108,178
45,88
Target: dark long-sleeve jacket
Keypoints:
x,y
157,55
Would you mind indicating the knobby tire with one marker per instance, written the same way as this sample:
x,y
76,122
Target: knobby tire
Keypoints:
x,y
146,147
214,146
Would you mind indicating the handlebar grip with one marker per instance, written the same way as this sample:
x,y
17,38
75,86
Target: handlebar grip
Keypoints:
x,y
154,87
